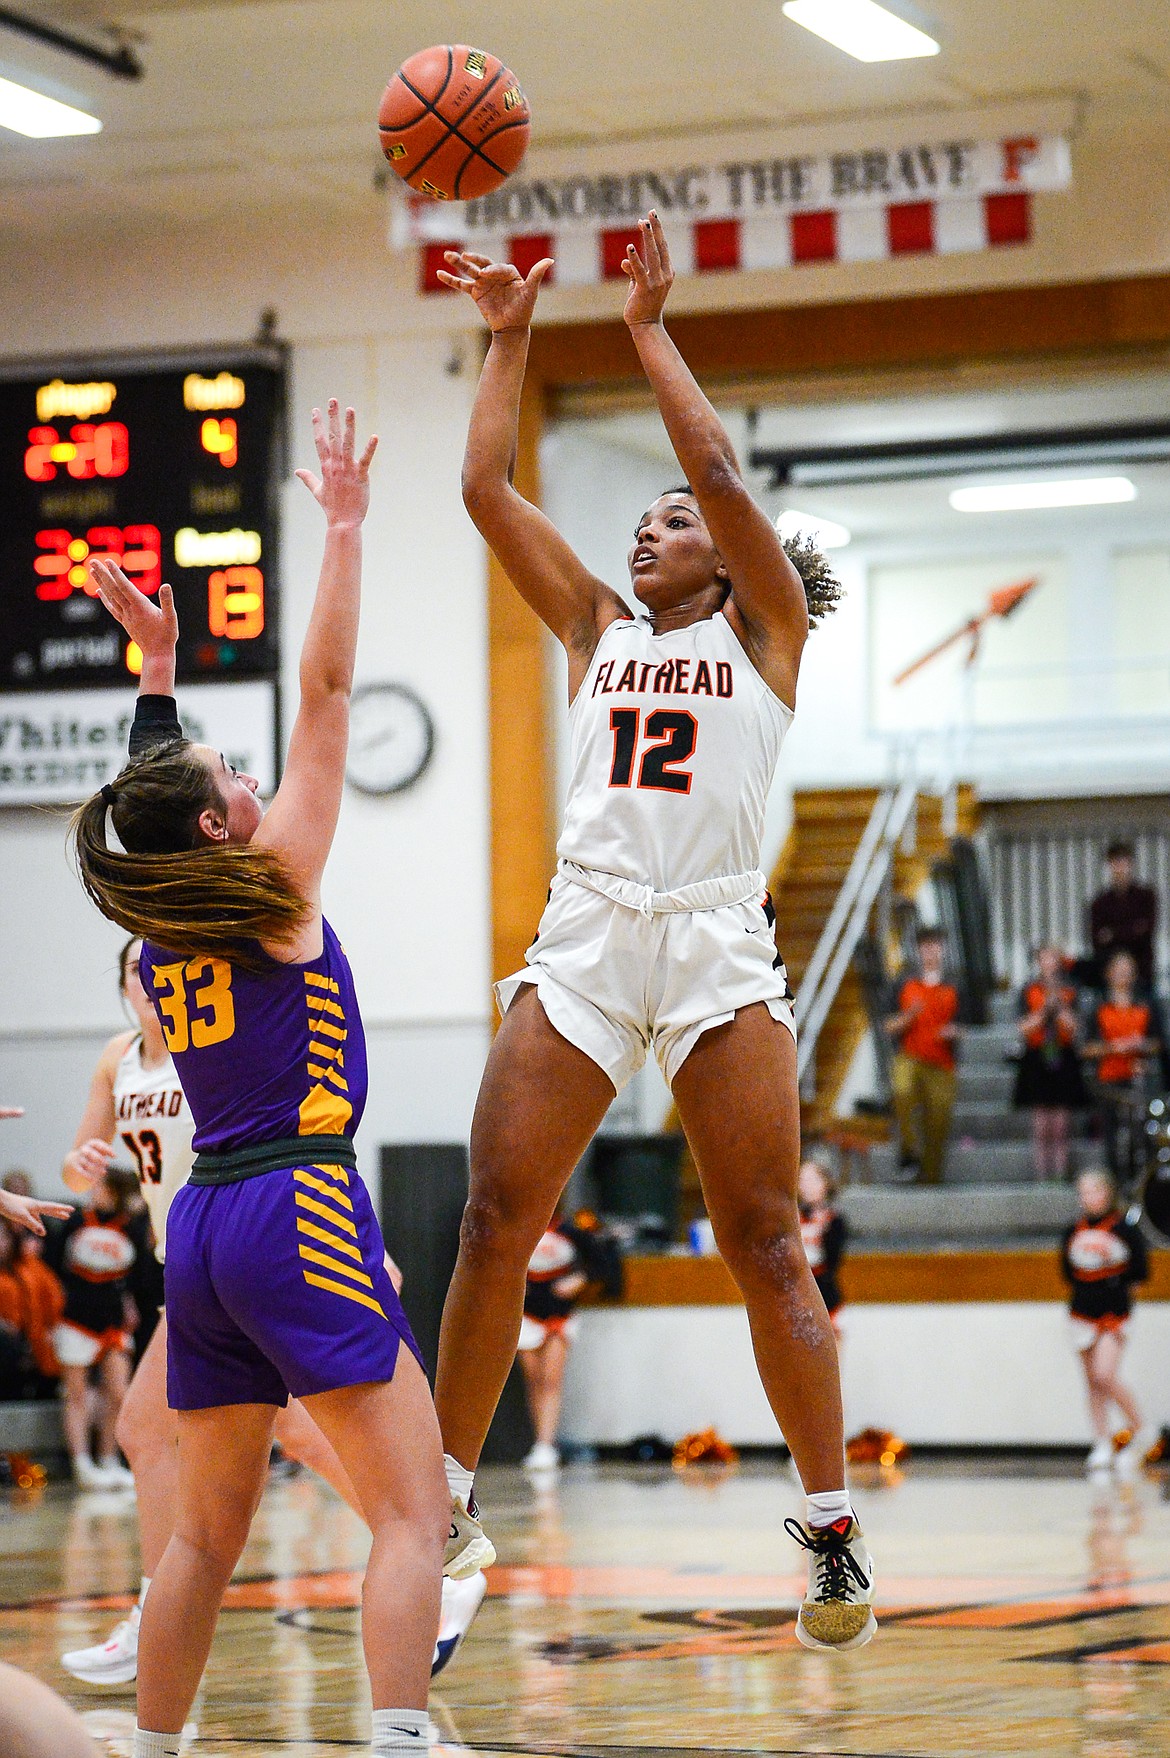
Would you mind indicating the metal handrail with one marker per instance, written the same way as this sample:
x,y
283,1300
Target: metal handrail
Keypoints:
x,y
856,898
843,902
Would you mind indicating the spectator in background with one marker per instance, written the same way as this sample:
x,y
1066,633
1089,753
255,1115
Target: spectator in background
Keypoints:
x,y
923,1075
823,1232
15,1355
1122,1043
31,1302
1124,918
1049,1081
17,1182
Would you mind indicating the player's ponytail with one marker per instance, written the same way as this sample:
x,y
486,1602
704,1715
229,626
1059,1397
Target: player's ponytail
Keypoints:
x,y
822,589
166,883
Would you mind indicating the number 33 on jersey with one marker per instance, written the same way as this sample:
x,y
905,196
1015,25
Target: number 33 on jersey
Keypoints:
x,y
674,740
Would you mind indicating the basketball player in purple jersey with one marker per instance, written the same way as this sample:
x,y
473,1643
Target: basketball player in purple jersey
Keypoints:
x,y
658,931
275,1275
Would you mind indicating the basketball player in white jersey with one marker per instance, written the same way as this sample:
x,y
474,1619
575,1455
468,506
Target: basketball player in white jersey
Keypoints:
x,y
137,1113
658,931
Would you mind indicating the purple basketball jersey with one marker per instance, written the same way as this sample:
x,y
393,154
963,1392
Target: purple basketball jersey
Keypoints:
x,y
265,1054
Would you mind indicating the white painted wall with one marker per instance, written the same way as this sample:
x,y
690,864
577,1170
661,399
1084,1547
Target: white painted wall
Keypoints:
x,y
985,1374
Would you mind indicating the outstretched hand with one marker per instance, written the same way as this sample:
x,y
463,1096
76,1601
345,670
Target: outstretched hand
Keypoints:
x,y
153,627
26,1211
343,487
505,297
650,273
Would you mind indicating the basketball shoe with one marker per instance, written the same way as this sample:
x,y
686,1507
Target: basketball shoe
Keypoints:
x,y
837,1612
112,1662
461,1601
468,1548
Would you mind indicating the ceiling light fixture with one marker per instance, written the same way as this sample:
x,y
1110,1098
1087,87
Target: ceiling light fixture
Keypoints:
x,y
825,532
1019,497
862,29
41,118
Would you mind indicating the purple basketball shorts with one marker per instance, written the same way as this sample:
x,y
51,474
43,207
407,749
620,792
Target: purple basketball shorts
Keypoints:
x,y
276,1287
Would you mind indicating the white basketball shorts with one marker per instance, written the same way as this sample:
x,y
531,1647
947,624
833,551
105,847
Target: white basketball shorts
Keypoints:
x,y
615,980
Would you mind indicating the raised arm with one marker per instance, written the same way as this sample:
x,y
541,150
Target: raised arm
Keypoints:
x,y
154,628
574,603
300,823
768,607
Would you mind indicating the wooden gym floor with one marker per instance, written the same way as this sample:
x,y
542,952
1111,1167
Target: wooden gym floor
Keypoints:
x,y
642,1614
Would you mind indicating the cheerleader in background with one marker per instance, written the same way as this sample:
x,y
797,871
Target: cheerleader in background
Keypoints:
x,y
1103,1257
554,1282
824,1232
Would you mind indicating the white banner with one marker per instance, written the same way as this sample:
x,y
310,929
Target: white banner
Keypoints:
x,y
748,188
58,748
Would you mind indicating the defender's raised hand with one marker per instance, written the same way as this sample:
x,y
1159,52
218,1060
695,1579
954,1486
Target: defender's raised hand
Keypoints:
x,y
153,627
343,487
505,297
650,273
26,1211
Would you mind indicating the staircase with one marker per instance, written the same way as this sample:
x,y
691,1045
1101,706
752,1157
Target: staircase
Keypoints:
x,y
827,826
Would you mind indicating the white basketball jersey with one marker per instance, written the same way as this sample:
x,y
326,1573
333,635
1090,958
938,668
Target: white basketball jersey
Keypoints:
x,y
153,1124
674,742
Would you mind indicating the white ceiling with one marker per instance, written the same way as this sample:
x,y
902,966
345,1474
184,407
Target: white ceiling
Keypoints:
x,y
270,103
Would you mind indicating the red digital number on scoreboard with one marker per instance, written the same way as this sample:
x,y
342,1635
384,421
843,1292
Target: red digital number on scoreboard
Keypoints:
x,y
89,451
62,565
235,603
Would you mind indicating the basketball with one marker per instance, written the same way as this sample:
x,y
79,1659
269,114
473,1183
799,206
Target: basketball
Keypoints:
x,y
453,122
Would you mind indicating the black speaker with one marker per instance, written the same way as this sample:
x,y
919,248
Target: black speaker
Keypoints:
x,y
637,1179
424,1189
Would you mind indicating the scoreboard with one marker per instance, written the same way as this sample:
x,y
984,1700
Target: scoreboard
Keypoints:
x,y
170,468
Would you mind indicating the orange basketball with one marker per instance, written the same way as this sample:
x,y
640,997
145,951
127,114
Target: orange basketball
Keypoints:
x,y
453,122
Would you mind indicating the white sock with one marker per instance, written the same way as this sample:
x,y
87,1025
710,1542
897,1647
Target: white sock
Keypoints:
x,y
398,1730
828,1505
142,1591
459,1480
156,1745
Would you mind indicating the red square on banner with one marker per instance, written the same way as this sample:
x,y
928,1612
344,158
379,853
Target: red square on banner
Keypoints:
x,y
1009,218
613,251
526,252
910,227
716,244
431,260
814,237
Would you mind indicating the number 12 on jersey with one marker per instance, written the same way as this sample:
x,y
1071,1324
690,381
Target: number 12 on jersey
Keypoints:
x,y
671,735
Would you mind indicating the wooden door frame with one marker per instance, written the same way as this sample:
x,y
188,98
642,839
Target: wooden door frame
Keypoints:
x,y
935,330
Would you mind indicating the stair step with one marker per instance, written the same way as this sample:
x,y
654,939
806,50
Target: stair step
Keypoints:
x,y
1001,1210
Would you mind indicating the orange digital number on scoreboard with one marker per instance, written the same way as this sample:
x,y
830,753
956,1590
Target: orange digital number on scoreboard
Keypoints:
x,y
61,567
88,452
235,603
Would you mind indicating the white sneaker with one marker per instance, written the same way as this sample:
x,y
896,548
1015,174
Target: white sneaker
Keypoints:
x,y
542,1457
837,1612
87,1475
1100,1458
1128,1460
468,1548
112,1662
461,1602
117,1475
